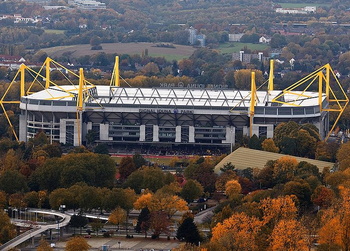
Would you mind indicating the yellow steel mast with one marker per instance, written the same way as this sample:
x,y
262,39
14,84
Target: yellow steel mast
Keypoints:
x,y
252,103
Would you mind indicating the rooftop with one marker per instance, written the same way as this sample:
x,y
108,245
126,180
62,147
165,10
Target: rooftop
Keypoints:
x,y
174,96
243,158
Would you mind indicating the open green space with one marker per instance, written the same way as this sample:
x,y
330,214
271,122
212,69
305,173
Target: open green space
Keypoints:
x,y
51,31
169,57
236,47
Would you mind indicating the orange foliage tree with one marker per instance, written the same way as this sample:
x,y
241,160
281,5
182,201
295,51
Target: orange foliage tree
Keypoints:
x,y
237,232
288,235
281,208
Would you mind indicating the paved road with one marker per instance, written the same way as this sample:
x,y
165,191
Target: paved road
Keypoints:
x,y
38,229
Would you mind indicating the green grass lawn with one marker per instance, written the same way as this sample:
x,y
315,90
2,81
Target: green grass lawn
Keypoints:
x,y
236,47
51,31
301,5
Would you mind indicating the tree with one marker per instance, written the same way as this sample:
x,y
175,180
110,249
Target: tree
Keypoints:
x,y
237,233
161,202
243,78
159,223
126,167
44,246
77,243
288,235
101,149
323,197
233,188
188,232
143,221
138,160
343,156
284,169
117,216
269,146
3,200
7,230
301,190
152,178
12,181
78,221
96,225
191,190
277,209
95,43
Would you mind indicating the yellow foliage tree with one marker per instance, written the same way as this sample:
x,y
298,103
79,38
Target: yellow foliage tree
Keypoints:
x,y
232,188
331,232
269,146
237,233
284,168
44,246
117,216
281,208
77,243
161,202
288,235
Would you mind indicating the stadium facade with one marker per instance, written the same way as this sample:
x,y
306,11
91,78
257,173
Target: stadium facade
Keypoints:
x,y
162,116
165,116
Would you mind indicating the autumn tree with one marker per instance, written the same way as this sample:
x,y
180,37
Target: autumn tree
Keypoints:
x,y
343,156
44,246
288,235
3,199
323,197
7,230
281,208
117,216
243,78
237,233
77,243
161,202
284,169
159,223
232,188
126,167
269,146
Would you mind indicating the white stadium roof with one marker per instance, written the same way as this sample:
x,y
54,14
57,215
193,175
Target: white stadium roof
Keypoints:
x,y
175,96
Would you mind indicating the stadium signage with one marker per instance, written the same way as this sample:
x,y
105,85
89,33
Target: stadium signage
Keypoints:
x,y
200,86
182,111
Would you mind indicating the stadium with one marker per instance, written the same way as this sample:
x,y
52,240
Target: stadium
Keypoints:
x,y
174,117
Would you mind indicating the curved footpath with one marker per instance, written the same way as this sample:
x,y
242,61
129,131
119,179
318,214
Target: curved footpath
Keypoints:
x,y
38,229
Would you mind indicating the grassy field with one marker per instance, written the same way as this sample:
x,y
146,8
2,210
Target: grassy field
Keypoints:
x,y
236,47
301,5
54,31
177,53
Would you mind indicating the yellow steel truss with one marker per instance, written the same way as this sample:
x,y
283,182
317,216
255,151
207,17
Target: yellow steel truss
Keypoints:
x,y
336,97
48,65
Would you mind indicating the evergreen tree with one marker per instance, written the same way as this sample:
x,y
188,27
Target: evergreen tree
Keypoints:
x,y
188,232
143,221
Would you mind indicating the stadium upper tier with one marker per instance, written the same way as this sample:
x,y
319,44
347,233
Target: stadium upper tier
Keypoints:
x,y
170,97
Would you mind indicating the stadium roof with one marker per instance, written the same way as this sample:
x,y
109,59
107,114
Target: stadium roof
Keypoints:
x,y
175,96
244,157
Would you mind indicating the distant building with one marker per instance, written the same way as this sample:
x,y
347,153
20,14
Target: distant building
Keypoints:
x,y
87,4
235,37
264,40
194,38
305,10
247,57
13,62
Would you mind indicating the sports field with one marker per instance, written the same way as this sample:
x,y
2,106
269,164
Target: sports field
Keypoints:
x,y
177,53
